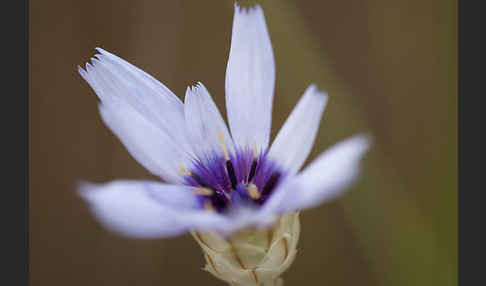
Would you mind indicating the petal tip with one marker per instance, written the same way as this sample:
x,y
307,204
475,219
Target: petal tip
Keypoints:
x,y
247,11
85,189
364,139
81,71
314,90
102,51
95,61
89,67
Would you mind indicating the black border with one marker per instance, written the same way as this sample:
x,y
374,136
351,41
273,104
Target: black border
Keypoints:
x,y
14,213
471,192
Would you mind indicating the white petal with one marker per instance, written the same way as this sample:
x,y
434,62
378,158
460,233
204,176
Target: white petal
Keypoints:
x,y
146,143
250,79
327,176
204,122
112,77
145,209
294,141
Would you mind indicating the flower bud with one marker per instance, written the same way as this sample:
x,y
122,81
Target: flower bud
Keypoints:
x,y
252,256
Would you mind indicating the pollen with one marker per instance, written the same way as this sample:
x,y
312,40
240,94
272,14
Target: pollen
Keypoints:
x,y
253,191
184,171
203,191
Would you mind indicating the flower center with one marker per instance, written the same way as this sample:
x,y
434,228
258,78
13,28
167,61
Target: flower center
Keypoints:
x,y
224,181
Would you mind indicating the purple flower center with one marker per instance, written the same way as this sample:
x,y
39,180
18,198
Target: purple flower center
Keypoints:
x,y
246,179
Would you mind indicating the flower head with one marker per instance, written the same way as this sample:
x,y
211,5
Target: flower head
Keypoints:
x,y
216,181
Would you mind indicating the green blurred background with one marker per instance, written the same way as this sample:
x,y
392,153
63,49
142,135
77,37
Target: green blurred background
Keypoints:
x,y
390,68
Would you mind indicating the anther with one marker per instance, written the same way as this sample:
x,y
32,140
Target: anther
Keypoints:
x,y
184,171
203,191
253,191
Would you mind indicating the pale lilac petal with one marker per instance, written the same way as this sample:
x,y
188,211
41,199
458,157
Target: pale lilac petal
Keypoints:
x,y
241,218
113,78
144,209
204,123
250,79
151,147
296,138
328,176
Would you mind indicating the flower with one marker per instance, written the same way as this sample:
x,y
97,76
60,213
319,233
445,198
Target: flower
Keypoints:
x,y
217,185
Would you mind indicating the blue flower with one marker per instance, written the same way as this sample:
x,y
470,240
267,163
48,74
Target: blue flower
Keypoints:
x,y
215,181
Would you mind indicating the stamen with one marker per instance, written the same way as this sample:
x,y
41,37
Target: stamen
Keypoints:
x,y
253,191
194,175
223,143
271,183
255,153
231,174
229,166
203,191
184,171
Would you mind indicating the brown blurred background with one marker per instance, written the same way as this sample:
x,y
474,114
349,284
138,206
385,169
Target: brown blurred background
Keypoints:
x,y
390,68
